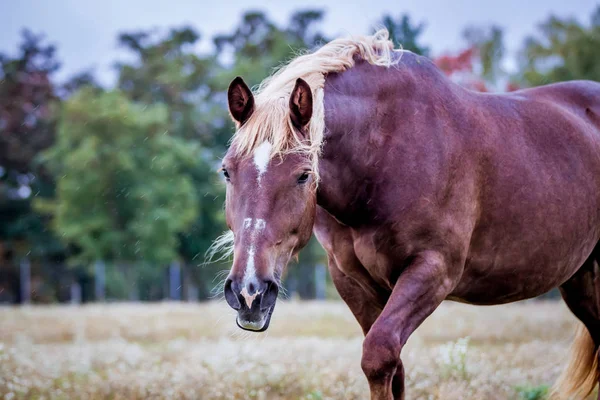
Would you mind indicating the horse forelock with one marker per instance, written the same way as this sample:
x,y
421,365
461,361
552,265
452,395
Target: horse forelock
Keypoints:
x,y
271,122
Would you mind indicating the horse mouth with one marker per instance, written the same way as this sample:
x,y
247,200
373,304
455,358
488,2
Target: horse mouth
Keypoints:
x,y
260,326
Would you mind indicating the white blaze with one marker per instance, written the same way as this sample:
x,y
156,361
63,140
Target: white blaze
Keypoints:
x,y
259,225
256,225
250,273
262,155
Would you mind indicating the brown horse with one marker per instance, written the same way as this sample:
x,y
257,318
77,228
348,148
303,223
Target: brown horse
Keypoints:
x,y
420,191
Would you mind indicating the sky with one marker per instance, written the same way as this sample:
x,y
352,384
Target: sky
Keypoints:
x,y
85,31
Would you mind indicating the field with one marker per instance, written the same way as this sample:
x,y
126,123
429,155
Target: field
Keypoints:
x,y
311,351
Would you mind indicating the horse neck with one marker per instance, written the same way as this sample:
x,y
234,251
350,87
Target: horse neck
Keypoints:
x,y
368,111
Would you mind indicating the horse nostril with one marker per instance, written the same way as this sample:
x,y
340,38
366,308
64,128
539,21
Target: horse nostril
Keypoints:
x,y
230,297
269,297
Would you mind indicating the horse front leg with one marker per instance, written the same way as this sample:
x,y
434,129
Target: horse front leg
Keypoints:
x,y
421,287
364,306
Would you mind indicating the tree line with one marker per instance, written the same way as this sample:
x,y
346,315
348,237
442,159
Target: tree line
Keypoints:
x,y
112,193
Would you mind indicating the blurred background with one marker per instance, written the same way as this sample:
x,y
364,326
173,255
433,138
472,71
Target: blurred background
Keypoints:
x,y
113,120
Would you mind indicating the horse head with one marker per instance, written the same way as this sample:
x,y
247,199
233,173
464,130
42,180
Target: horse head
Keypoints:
x,y
271,197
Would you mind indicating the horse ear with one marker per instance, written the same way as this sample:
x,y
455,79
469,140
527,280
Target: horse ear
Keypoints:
x,y
241,100
301,104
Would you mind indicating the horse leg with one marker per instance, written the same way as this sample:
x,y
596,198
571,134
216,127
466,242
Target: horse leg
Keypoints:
x,y
582,295
364,309
365,312
419,290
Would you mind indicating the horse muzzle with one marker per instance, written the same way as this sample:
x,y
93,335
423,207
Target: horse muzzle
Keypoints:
x,y
253,301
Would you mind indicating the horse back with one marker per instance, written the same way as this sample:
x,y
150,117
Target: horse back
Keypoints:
x,y
581,98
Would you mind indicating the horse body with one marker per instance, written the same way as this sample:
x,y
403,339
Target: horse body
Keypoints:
x,y
426,192
503,190
506,186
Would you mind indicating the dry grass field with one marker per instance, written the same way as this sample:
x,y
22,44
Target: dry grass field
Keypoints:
x,y
311,351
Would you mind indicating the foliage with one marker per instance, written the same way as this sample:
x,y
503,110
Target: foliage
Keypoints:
x,y
120,192
489,45
28,101
27,97
478,67
533,392
167,72
564,50
404,34
460,68
257,45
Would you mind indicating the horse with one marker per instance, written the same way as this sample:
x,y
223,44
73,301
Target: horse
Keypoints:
x,y
419,190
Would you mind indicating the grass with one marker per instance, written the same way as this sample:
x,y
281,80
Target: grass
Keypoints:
x,y
533,392
311,351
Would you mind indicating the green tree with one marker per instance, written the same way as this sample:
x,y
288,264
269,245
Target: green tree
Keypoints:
x,y
488,43
258,45
404,34
121,194
167,72
565,49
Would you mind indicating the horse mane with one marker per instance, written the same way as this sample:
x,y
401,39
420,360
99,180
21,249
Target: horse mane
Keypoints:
x,y
271,121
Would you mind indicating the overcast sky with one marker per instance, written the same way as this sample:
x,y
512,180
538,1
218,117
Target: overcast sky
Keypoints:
x,y
85,30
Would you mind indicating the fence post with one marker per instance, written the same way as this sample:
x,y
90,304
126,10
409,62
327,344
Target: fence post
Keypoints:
x,y
99,280
191,290
320,282
25,280
175,281
131,274
75,292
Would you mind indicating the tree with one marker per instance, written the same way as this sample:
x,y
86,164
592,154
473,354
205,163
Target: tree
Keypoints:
x,y
488,44
121,194
168,73
404,34
258,45
460,69
302,28
564,50
479,66
28,102
27,124
27,97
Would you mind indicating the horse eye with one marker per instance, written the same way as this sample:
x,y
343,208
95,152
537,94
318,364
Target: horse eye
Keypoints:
x,y
226,174
303,178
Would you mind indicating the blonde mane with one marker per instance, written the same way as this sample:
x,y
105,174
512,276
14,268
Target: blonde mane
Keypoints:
x,y
271,121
